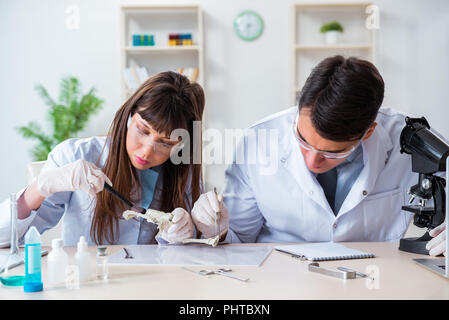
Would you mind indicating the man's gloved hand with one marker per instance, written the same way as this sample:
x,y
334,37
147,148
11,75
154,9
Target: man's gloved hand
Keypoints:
x,y
204,213
78,175
437,245
180,228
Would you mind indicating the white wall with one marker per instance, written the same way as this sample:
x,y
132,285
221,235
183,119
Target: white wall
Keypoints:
x,y
245,81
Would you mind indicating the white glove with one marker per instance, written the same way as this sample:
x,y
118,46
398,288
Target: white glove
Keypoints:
x,y
437,245
180,228
77,175
205,211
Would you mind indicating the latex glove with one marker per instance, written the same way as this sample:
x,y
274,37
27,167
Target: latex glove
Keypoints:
x,y
437,245
204,213
77,175
180,228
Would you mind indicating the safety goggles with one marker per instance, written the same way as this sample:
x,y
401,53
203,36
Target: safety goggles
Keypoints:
x,y
135,128
326,154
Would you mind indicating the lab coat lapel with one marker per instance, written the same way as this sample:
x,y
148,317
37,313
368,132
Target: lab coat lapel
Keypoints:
x,y
375,155
293,161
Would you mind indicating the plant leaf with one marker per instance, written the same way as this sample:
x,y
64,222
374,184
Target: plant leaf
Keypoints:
x,y
88,106
40,152
68,90
68,117
44,95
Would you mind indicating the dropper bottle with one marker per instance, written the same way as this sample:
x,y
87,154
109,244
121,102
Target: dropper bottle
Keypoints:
x,y
84,260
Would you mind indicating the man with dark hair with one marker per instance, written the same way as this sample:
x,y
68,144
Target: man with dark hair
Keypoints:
x,y
340,176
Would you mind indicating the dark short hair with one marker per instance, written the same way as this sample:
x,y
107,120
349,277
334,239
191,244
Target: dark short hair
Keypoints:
x,y
344,96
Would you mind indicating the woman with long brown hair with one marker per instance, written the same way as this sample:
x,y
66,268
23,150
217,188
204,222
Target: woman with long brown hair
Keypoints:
x,y
135,158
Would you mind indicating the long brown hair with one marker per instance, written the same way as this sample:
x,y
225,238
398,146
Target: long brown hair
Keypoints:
x,y
167,101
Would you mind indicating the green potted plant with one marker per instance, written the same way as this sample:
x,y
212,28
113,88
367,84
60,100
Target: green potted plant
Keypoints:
x,y
68,116
332,31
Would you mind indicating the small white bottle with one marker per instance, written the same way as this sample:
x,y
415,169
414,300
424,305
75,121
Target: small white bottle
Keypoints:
x,y
83,260
57,262
102,263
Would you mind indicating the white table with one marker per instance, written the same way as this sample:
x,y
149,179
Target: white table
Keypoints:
x,y
279,277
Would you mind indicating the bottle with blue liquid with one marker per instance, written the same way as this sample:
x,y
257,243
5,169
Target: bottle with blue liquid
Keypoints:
x,y
33,261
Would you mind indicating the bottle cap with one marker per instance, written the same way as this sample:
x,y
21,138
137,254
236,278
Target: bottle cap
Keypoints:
x,y
82,244
57,243
101,251
32,236
33,287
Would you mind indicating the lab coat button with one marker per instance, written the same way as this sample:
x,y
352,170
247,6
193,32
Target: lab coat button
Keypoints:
x,y
283,160
311,192
364,192
335,226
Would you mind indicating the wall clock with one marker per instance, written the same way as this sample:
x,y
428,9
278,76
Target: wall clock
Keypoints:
x,y
248,25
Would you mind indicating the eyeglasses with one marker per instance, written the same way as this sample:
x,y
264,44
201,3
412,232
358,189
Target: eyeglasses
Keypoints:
x,y
328,155
146,139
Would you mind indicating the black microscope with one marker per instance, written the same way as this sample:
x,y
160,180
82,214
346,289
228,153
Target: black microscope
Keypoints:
x,y
429,153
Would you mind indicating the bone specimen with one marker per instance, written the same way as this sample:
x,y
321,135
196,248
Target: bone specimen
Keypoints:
x,y
161,219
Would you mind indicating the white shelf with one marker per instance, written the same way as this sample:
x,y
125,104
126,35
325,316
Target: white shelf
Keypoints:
x,y
146,49
143,7
341,46
332,5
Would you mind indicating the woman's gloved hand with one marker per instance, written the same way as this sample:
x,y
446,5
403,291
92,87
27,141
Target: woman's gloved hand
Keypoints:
x,y
180,228
205,211
437,245
78,175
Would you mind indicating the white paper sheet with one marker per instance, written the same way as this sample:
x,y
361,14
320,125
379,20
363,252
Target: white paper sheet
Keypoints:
x,y
192,255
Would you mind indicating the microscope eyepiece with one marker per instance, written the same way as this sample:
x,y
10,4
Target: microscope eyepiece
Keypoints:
x,y
429,152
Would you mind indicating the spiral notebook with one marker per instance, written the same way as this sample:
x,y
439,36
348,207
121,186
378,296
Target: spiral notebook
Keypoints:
x,y
323,251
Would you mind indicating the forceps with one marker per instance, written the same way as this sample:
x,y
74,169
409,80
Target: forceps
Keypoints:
x,y
128,255
221,271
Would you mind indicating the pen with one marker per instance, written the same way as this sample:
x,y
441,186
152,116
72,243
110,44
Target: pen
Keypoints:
x,y
123,199
302,258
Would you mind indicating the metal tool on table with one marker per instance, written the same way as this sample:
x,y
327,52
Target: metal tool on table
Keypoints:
x,y
362,275
127,254
124,200
315,267
220,271
193,271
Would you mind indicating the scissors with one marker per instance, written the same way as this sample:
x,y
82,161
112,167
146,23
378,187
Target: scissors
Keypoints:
x,y
220,271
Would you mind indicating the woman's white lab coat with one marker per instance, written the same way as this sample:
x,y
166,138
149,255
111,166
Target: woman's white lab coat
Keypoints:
x,y
76,207
273,197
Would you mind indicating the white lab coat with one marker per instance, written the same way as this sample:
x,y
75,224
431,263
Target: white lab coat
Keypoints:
x,y
289,205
